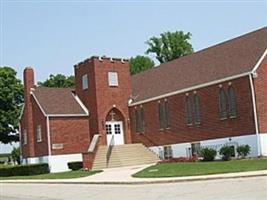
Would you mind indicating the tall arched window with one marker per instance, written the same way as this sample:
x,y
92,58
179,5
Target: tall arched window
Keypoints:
x,y
163,114
232,102
139,120
222,104
189,110
142,117
136,120
197,109
166,115
160,115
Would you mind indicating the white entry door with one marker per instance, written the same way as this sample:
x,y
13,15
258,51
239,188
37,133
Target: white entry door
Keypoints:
x,y
114,131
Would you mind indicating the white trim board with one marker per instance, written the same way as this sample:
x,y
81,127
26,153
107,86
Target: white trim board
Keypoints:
x,y
39,105
81,104
255,112
259,61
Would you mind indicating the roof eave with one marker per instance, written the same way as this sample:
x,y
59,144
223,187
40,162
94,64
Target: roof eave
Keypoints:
x,y
191,88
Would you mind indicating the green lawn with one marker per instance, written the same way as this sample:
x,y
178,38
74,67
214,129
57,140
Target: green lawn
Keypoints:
x,y
60,175
201,168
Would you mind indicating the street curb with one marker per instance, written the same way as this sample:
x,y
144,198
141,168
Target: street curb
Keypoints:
x,y
136,182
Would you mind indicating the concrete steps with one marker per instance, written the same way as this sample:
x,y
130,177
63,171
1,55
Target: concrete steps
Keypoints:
x,y
124,155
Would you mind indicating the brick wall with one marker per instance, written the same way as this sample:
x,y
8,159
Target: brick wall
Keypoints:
x,y
88,96
211,126
71,132
261,96
100,97
41,148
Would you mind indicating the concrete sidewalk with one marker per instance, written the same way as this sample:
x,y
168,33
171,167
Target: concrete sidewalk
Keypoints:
x,y
122,175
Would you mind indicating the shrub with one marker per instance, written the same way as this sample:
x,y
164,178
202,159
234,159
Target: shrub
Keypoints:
x,y
15,155
208,154
180,159
75,165
25,170
227,152
243,150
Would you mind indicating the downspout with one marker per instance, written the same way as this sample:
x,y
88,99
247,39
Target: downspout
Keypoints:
x,y
20,144
48,139
255,113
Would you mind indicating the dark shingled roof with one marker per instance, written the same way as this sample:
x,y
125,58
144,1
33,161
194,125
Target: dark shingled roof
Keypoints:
x,y
233,57
57,101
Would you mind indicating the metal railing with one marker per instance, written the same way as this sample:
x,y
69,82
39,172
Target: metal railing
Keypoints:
x,y
110,147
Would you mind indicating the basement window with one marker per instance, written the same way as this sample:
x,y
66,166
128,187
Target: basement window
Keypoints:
x,y
168,152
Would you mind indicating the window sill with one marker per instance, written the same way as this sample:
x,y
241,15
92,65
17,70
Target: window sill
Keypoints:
x,y
198,124
39,141
189,125
222,119
140,133
233,117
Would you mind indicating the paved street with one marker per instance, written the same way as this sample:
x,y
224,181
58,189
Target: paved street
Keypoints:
x,y
230,189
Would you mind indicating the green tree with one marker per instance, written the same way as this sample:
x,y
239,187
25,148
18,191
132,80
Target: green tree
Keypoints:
x,y
11,99
170,45
58,80
15,155
140,63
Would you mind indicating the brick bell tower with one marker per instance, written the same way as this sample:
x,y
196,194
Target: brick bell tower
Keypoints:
x,y
104,86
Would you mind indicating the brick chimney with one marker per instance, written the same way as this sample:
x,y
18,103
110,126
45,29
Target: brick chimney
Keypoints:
x,y
28,80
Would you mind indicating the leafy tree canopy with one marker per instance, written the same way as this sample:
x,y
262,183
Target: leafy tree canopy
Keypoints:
x,y
170,45
11,98
140,63
58,80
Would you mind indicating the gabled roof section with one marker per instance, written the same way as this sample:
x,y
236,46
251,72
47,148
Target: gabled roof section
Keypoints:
x,y
59,102
231,58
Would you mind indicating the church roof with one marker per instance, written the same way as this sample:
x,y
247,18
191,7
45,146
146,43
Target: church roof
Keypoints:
x,y
59,101
227,59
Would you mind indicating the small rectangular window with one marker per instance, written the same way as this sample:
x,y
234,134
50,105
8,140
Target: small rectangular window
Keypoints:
x,y
113,79
84,82
195,149
25,137
39,134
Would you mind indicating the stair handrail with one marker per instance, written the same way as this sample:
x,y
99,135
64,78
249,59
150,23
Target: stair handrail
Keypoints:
x,y
110,147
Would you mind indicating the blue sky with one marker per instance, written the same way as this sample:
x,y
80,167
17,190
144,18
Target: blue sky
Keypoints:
x,y
52,36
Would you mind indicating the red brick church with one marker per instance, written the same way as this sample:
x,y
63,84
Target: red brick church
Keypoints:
x,y
212,97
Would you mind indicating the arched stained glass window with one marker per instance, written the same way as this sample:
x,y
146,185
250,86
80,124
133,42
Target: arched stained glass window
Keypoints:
x,y
197,109
139,120
222,104
189,110
232,102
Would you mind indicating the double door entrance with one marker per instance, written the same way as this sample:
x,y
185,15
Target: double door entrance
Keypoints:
x,y
114,131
